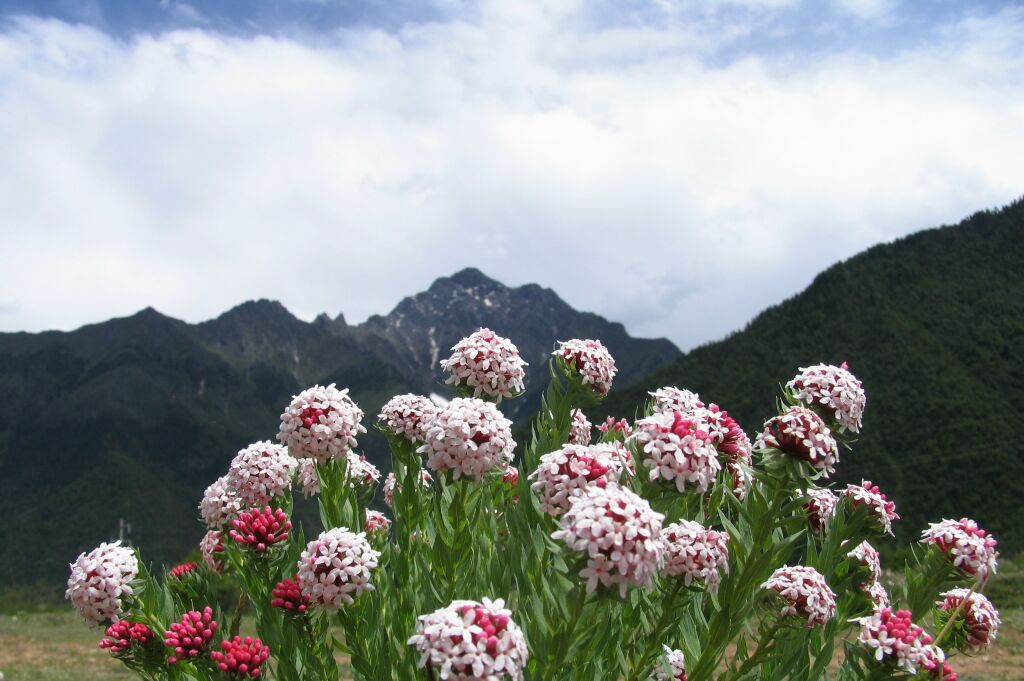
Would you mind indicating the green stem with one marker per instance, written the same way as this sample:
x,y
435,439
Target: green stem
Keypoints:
x,y
654,637
765,645
577,599
955,616
236,618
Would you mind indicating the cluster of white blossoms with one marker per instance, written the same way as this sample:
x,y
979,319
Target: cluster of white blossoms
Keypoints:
x,y
391,486
335,568
321,423
406,416
471,640
880,509
359,472
834,390
210,545
678,450
591,360
893,636
261,472
694,552
220,504
867,555
580,431
804,593
970,548
564,473
671,666
801,433
619,533
670,399
307,478
469,437
821,507
99,579
979,616
487,363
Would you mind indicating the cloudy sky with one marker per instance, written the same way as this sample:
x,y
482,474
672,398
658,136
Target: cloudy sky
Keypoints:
x,y
677,166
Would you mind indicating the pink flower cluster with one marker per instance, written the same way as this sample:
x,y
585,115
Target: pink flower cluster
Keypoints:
x,y
867,556
260,529
619,533
670,399
471,640
190,637
970,548
591,360
694,552
801,433
241,658
893,637
321,423
261,472
123,634
734,445
287,595
376,523
407,415
979,616
469,437
564,473
220,505
307,478
821,507
671,665
99,579
391,486
335,568
880,509
678,450
611,425
183,570
834,390
580,429
360,472
210,545
487,363
805,594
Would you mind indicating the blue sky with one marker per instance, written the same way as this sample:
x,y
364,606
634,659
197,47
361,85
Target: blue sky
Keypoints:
x,y
677,166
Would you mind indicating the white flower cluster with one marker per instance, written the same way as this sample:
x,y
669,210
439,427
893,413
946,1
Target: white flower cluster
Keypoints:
x,y
99,579
406,415
619,533
391,486
969,547
833,389
805,594
220,504
801,433
580,430
564,473
591,360
979,615
335,568
309,481
821,507
678,450
674,662
261,472
694,552
867,555
487,363
210,545
359,472
321,423
470,640
670,399
469,437
880,509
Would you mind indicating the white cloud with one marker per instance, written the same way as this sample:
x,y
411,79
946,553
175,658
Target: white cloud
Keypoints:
x,y
191,171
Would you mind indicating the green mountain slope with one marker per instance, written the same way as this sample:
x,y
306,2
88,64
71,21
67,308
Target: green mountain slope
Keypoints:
x,y
933,324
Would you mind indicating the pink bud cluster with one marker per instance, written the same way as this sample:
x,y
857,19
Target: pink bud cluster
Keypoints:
x,y
834,390
260,529
678,450
487,363
321,423
979,616
190,637
591,360
821,507
471,640
391,486
210,545
220,504
805,594
183,570
406,416
123,634
261,472
241,658
694,552
580,429
880,509
469,437
970,548
99,579
611,425
287,595
802,434
564,473
618,532
335,568
893,637
672,661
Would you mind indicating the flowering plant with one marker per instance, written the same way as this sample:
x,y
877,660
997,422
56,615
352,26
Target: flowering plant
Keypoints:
x,y
672,548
